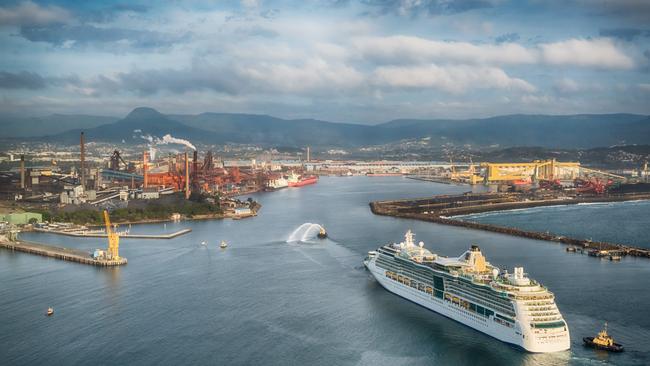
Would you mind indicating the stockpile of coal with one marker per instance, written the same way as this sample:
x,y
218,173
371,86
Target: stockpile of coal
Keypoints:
x,y
631,188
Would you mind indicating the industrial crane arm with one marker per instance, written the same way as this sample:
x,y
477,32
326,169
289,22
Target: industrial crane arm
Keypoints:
x,y
602,173
107,221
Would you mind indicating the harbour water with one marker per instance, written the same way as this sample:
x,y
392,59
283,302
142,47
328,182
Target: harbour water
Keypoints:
x,y
615,222
264,300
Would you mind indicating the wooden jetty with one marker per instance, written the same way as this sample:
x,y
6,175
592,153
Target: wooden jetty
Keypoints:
x,y
94,234
72,255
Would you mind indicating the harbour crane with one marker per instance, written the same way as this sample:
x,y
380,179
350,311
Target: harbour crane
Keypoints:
x,y
602,173
113,239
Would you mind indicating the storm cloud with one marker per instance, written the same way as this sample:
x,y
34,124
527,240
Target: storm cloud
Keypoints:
x,y
88,34
361,60
21,80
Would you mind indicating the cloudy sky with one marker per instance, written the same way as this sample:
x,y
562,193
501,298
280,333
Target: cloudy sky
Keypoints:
x,y
364,61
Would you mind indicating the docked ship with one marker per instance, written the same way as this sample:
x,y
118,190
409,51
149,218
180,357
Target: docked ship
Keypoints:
x,y
277,183
295,180
507,306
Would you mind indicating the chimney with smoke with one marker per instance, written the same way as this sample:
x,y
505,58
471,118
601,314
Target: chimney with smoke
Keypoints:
x,y
187,177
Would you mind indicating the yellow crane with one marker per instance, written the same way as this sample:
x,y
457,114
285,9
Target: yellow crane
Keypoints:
x,y
113,239
600,172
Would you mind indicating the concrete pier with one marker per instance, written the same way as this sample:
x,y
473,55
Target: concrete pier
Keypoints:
x,y
72,255
82,234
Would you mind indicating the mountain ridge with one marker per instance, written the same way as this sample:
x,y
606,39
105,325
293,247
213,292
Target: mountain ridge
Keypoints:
x,y
561,131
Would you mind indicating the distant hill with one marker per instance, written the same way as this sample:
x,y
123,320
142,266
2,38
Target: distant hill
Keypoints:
x,y
141,123
52,124
263,129
579,131
572,131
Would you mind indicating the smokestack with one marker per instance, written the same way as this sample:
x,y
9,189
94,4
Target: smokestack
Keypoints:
x,y
83,160
195,169
144,170
187,176
308,154
22,171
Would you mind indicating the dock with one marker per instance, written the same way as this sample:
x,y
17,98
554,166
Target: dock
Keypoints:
x,y
67,254
434,179
95,234
445,209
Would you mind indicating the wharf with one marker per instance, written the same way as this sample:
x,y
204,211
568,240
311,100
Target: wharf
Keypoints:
x,y
72,255
94,234
441,180
438,209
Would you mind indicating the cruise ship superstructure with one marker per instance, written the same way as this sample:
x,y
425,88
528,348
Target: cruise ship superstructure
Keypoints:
x,y
507,306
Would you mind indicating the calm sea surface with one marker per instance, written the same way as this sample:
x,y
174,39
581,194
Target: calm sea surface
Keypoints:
x,y
264,301
616,222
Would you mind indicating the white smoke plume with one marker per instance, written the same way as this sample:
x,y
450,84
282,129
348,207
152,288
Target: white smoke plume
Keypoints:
x,y
169,139
152,152
147,137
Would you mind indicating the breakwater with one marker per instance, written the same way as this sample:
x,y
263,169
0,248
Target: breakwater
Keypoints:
x,y
72,255
442,209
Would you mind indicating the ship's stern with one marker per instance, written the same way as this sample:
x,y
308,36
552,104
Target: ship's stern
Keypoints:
x,y
547,340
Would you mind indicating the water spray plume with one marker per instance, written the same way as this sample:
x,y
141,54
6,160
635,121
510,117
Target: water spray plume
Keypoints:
x,y
304,232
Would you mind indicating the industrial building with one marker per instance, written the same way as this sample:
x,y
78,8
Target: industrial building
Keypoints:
x,y
22,218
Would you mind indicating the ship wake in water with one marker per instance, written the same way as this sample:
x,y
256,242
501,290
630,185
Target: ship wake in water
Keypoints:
x,y
304,233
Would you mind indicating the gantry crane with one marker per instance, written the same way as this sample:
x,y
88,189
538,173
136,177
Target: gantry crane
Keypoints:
x,y
600,172
113,239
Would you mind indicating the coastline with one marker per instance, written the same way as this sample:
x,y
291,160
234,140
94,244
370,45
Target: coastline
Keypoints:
x,y
199,217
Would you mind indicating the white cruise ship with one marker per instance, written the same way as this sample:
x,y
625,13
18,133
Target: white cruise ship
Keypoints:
x,y
507,306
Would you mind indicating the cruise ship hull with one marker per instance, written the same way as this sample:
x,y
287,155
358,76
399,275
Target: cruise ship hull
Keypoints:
x,y
515,336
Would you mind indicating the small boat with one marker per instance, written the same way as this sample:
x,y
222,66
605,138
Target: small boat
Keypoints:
x,y
571,249
223,244
614,257
322,234
603,341
50,311
204,243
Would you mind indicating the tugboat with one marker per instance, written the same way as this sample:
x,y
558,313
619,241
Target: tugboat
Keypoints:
x,y
50,311
603,341
223,244
322,234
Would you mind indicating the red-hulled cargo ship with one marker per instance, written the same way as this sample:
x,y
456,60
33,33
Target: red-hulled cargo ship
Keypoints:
x,y
299,181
